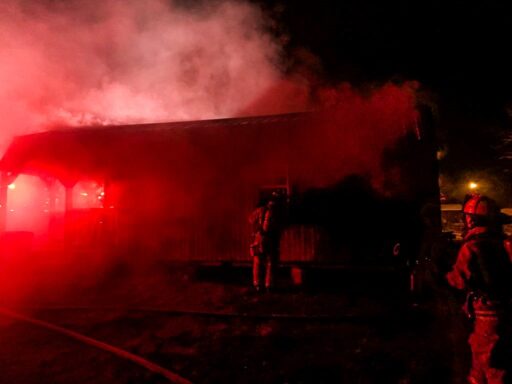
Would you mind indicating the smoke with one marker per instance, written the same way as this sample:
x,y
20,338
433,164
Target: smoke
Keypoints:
x,y
104,62
353,129
118,62
115,62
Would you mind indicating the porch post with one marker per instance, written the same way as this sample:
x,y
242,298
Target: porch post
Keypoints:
x,y
69,185
6,178
3,203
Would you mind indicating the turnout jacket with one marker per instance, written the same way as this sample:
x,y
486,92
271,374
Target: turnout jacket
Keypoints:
x,y
483,265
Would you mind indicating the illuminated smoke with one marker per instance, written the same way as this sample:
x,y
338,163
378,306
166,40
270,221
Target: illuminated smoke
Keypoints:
x,y
352,129
103,62
108,62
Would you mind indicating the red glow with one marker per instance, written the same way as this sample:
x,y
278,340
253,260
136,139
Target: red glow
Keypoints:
x,y
87,194
27,200
155,62
181,65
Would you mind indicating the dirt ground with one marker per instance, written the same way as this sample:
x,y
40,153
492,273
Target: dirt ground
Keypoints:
x,y
343,326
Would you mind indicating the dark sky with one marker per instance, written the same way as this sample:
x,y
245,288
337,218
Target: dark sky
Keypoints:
x,y
454,47
457,49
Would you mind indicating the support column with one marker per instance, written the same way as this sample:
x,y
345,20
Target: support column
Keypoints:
x,y
111,207
6,178
3,205
52,196
50,207
103,235
69,199
69,185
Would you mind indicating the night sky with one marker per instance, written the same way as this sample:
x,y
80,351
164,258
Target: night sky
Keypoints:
x,y
458,50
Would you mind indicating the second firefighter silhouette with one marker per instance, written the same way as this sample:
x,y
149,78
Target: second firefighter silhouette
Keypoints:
x,y
484,270
267,225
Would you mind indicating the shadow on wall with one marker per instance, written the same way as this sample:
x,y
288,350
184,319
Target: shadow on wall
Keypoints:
x,y
359,225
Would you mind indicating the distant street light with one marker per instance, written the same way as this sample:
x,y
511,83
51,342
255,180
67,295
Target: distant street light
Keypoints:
x,y
473,186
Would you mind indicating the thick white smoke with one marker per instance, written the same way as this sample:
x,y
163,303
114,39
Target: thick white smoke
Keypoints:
x,y
112,61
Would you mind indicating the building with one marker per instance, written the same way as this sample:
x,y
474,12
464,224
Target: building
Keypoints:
x,y
183,190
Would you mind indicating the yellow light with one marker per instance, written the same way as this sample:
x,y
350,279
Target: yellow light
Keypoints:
x,y
472,185
11,186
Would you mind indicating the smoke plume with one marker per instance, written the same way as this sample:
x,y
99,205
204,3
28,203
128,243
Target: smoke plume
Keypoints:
x,y
102,62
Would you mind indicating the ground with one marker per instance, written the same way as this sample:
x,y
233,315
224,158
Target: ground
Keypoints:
x,y
344,326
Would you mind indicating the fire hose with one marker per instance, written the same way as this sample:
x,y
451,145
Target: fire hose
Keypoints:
x,y
169,375
339,317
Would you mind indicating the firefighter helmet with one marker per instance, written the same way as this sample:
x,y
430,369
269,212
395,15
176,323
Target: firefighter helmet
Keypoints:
x,y
482,206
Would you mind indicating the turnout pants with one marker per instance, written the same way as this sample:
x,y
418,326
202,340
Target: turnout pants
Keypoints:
x,y
490,346
263,270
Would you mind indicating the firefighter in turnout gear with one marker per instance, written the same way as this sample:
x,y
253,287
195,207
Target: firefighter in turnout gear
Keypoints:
x,y
266,236
484,270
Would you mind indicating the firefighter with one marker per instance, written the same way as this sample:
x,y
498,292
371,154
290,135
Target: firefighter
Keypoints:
x,y
484,270
266,236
